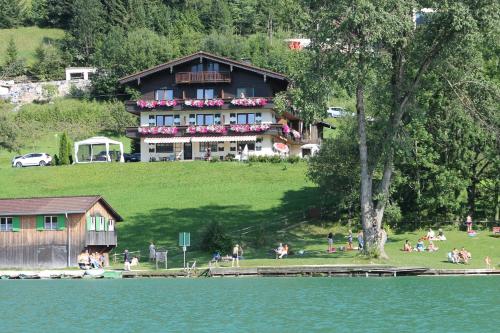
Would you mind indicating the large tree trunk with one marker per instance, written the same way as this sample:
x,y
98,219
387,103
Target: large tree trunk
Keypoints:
x,y
371,219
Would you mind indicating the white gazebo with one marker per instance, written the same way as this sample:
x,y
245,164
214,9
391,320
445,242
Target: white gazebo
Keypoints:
x,y
100,157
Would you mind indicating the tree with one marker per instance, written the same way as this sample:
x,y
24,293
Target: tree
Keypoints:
x,y
384,58
49,64
9,132
86,28
10,14
64,149
14,66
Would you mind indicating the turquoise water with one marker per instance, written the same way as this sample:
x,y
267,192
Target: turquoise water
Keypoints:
x,y
413,304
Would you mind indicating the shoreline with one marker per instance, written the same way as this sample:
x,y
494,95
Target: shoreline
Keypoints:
x,y
260,271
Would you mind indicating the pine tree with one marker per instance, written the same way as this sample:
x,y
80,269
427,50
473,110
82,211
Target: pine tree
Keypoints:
x,y
63,150
10,13
14,66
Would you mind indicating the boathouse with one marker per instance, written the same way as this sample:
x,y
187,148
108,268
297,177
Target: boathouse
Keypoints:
x,y
51,232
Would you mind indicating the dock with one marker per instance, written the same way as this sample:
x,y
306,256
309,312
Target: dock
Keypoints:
x,y
260,271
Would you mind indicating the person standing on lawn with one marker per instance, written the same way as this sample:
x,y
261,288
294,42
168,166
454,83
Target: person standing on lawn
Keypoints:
x,y
468,222
236,250
126,260
330,242
152,252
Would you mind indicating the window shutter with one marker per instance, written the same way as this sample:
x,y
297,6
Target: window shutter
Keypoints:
x,y
16,223
98,223
61,222
40,223
89,222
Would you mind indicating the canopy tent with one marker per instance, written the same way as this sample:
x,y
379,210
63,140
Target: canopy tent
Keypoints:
x,y
98,141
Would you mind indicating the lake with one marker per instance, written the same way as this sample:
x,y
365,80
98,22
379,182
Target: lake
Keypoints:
x,y
403,304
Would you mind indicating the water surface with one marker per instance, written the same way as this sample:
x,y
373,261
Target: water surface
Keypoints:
x,y
404,304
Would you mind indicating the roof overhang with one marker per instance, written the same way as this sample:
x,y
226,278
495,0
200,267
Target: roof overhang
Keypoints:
x,y
202,55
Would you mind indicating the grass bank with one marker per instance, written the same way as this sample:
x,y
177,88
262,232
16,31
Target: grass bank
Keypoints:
x,y
27,39
259,204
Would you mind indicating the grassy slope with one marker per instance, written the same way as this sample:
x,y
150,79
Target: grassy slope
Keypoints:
x,y
158,200
27,40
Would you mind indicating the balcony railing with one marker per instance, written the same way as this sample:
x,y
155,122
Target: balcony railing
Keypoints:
x,y
203,77
106,238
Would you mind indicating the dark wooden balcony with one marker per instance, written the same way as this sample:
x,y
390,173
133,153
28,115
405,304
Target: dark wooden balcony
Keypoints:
x,y
106,238
203,77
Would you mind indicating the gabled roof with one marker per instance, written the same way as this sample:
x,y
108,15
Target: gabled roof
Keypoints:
x,y
205,55
53,205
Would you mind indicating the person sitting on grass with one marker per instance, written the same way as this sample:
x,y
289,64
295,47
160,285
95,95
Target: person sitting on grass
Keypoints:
x,y
441,235
361,241
420,246
284,252
432,247
451,258
456,256
407,247
430,234
464,255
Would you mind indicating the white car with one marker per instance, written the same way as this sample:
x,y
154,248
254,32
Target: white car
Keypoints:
x,y
41,159
336,112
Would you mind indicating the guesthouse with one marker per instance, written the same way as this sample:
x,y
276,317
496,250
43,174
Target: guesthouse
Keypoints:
x,y
206,105
51,232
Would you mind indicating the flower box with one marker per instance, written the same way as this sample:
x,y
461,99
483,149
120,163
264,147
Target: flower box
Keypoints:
x,y
158,130
249,102
249,128
220,129
200,103
154,104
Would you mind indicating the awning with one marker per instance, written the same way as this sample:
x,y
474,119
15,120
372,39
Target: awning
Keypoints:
x,y
168,140
242,138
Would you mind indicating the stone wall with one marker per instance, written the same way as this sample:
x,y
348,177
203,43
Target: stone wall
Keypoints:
x,y
28,92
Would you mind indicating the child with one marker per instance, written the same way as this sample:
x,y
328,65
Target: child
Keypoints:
x,y
407,247
487,261
349,240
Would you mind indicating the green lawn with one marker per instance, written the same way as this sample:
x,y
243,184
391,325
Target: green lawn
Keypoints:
x,y
27,40
259,204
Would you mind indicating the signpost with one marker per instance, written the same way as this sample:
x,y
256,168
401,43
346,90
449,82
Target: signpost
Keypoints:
x,y
184,241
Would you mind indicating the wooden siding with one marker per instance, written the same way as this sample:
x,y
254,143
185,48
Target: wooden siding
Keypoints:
x,y
105,238
239,78
30,248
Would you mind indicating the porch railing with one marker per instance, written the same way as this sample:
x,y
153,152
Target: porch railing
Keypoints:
x,y
202,77
106,238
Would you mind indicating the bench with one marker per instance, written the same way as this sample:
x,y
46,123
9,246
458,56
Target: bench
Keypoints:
x,y
496,230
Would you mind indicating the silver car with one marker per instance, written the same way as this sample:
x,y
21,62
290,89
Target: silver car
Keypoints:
x,y
40,159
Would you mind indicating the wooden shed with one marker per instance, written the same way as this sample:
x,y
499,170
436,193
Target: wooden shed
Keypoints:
x,y
51,232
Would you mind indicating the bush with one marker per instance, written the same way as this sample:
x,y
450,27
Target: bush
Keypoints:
x,y
214,159
275,159
215,238
230,157
293,159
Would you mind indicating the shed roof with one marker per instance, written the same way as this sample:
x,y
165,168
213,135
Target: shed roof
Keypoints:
x,y
53,205
205,55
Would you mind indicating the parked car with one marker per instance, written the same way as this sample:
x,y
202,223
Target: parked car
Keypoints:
x,y
135,157
41,159
336,111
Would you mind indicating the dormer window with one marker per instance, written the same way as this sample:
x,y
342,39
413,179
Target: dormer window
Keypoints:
x,y
213,67
164,94
197,68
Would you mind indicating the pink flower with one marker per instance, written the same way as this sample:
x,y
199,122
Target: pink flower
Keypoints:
x,y
153,104
249,102
286,129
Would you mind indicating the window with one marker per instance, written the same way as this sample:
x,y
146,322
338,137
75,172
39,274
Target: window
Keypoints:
x,y
217,119
250,145
164,120
101,220
220,146
258,144
50,223
232,146
258,118
151,148
177,120
204,93
205,145
192,119
245,92
197,68
164,147
213,67
205,119
111,225
246,118
164,94
5,223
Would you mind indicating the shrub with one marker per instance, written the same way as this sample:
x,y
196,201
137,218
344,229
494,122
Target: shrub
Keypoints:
x,y
214,159
215,238
293,159
230,157
275,159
